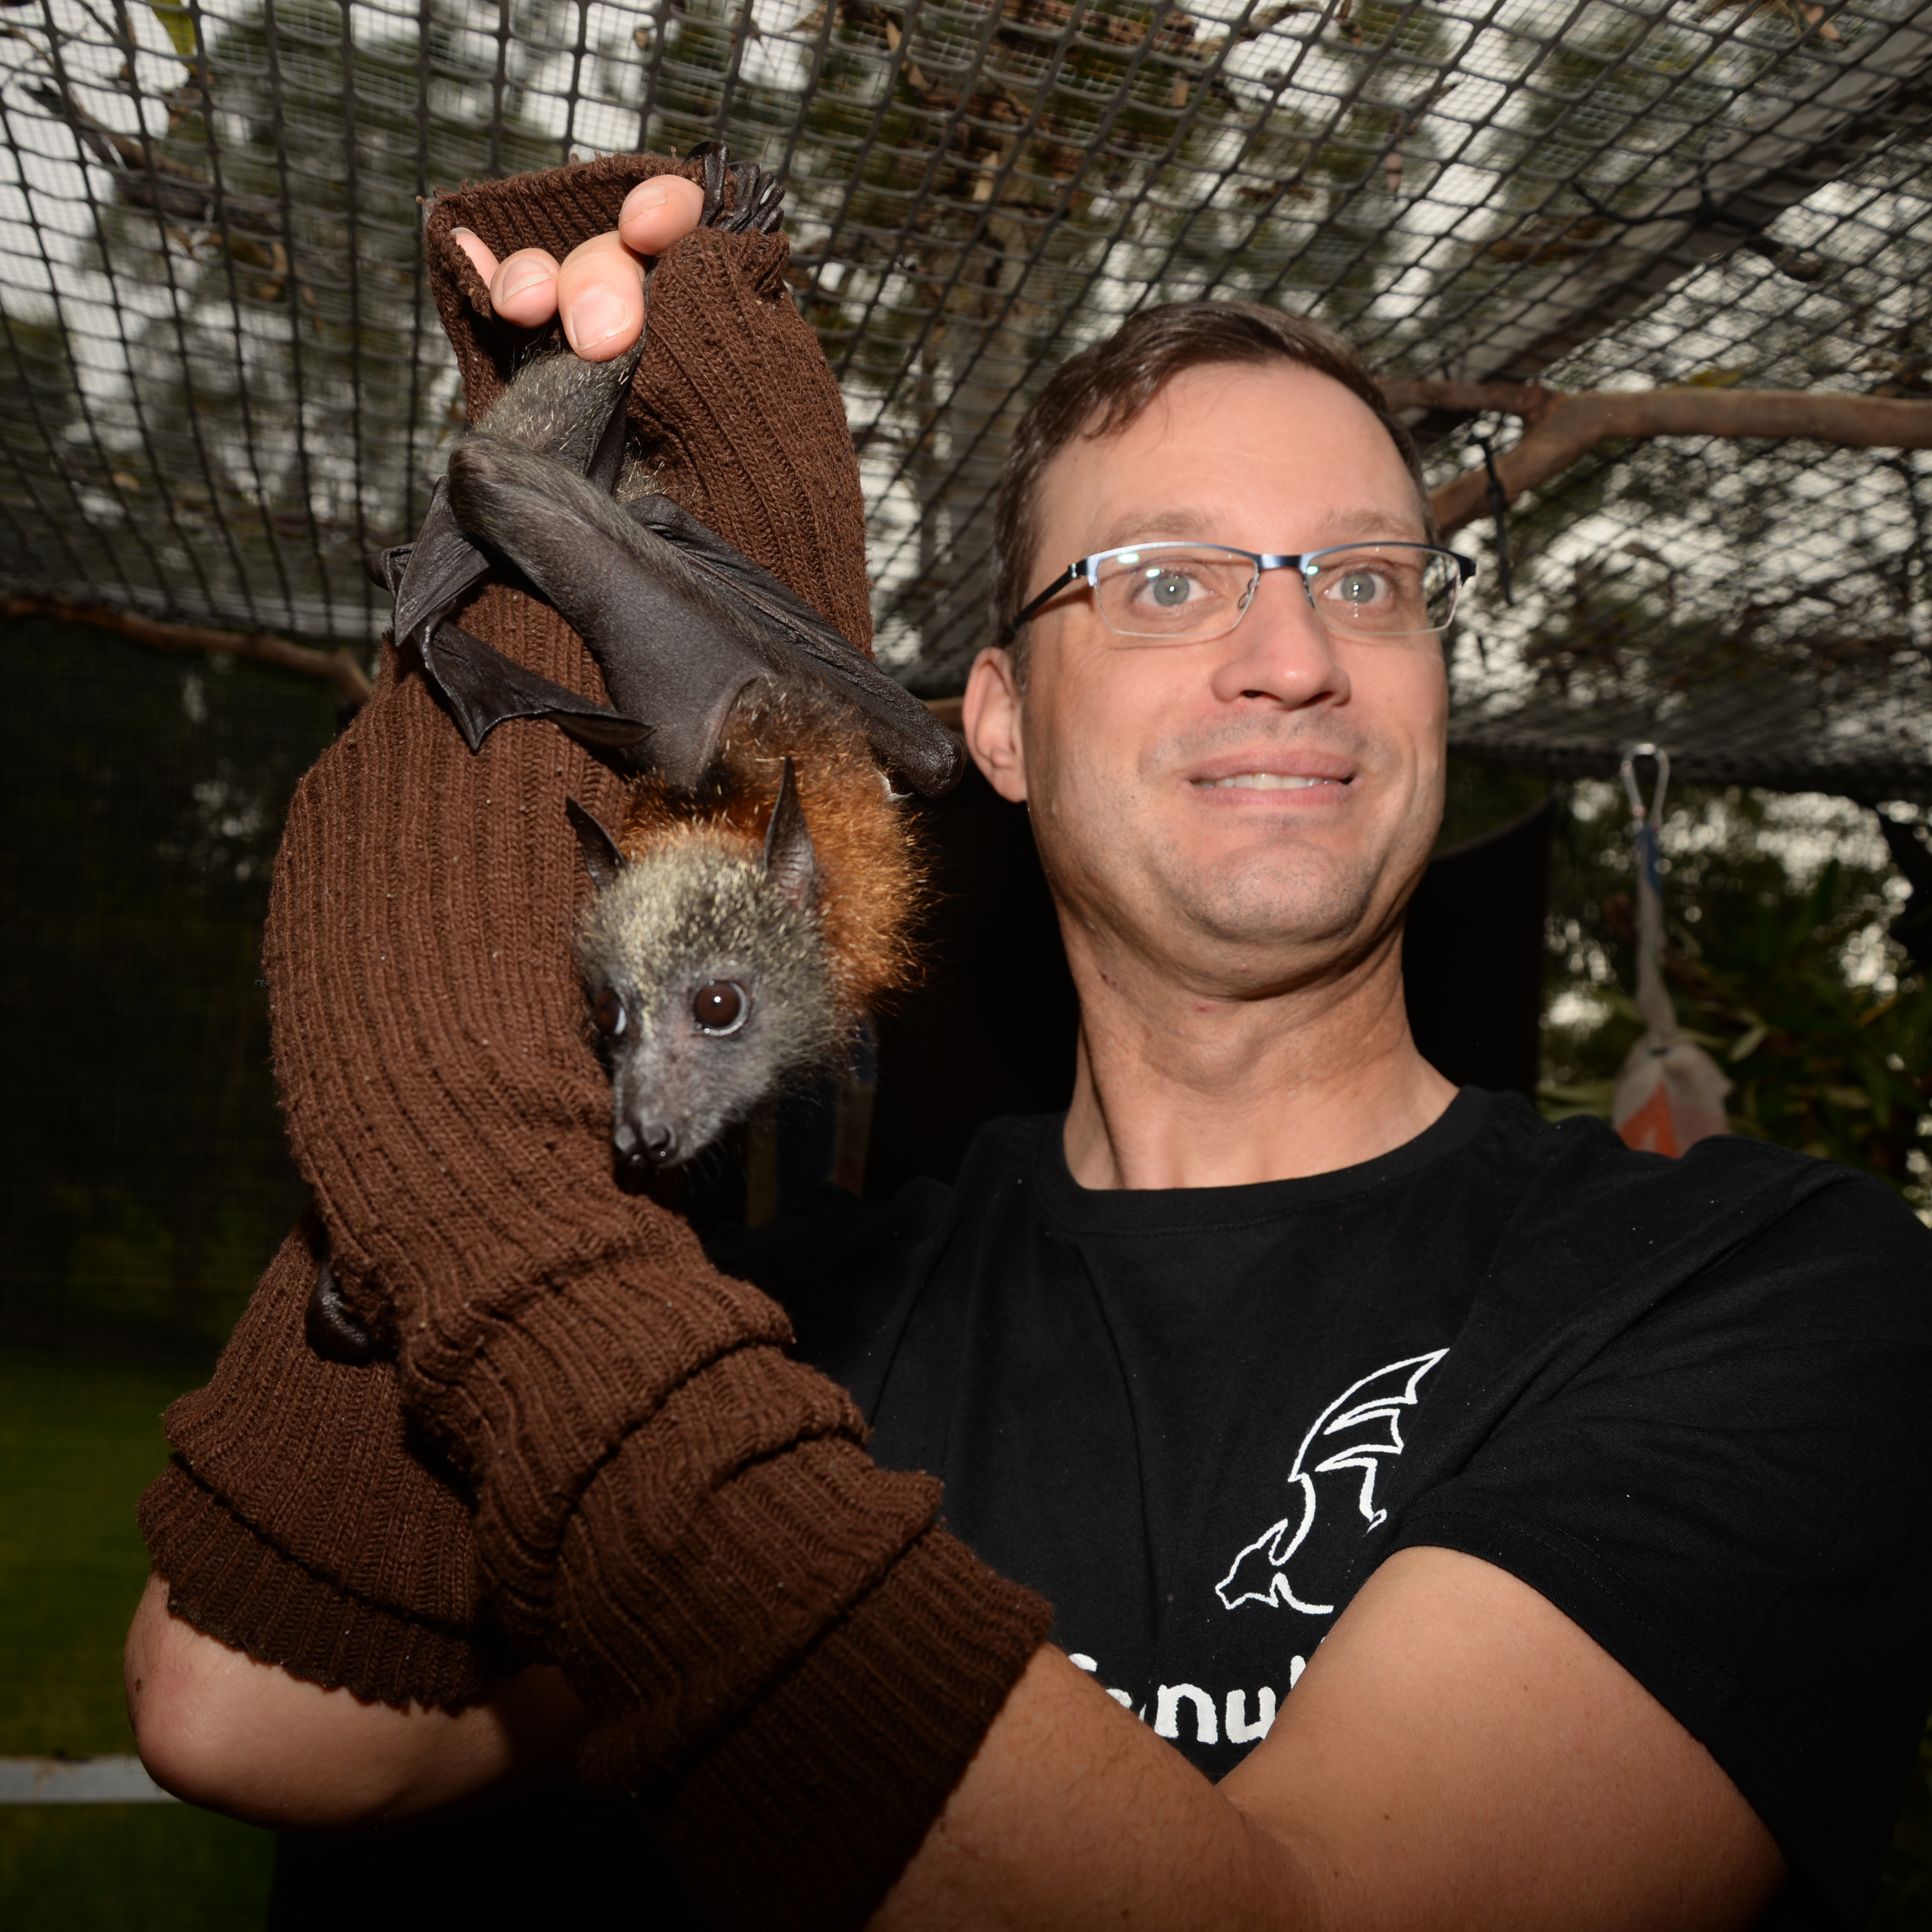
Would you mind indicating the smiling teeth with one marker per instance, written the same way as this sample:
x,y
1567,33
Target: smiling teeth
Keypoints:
x,y
1265,782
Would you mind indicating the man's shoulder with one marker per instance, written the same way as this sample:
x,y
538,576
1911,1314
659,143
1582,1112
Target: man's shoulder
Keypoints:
x,y
1579,1175
1598,1228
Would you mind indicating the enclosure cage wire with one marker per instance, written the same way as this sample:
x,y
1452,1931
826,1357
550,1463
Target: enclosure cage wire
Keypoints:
x,y
228,387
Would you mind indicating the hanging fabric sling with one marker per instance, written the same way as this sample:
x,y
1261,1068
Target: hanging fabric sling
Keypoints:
x,y
1670,1093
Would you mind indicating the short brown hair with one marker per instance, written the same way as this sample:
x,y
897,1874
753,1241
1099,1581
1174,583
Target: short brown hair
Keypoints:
x,y
1101,390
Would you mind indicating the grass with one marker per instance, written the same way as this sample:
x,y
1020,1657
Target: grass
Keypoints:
x,y
79,1441
114,1867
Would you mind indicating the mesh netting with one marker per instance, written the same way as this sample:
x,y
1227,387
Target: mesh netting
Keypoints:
x,y
229,388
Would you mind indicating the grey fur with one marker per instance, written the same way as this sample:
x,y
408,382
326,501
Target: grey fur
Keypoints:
x,y
699,910
560,404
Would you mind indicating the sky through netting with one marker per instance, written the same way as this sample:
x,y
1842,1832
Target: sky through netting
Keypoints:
x,y
227,386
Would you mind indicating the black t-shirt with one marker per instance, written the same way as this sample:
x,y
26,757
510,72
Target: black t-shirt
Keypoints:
x,y
1689,1403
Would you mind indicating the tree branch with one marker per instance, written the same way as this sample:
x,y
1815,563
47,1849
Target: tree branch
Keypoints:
x,y
337,666
1558,427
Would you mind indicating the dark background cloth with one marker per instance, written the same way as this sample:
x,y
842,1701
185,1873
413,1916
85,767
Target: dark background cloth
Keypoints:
x,y
1683,1400
145,1176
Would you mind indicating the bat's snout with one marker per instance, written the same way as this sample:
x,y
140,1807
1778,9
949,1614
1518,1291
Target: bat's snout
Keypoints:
x,y
645,1143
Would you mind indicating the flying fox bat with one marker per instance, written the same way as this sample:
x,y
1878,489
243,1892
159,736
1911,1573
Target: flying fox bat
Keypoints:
x,y
682,624
729,947
711,984
738,932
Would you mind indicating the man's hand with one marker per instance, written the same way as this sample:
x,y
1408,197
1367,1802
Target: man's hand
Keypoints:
x,y
597,291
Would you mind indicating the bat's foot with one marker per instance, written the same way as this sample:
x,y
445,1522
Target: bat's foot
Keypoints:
x,y
333,1332
756,196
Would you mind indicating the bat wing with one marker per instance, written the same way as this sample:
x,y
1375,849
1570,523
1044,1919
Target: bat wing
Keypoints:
x,y
483,689
676,651
439,570
903,733
479,687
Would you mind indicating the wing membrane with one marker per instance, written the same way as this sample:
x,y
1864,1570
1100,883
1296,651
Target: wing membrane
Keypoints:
x,y
902,731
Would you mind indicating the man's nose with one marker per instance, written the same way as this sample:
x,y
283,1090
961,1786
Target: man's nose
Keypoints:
x,y
1281,650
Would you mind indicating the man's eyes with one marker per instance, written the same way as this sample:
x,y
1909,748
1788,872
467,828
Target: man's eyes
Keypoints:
x,y
1359,584
1168,588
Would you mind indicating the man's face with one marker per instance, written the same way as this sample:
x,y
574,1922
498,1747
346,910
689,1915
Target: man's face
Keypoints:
x,y
1250,811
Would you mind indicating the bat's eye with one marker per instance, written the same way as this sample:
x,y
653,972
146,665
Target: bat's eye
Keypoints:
x,y
607,1010
721,1007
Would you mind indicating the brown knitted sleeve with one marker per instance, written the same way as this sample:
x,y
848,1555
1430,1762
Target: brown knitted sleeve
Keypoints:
x,y
297,1521
782,1650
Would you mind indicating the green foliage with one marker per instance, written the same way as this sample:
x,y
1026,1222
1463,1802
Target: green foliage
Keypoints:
x,y
1778,962
107,1868
80,1441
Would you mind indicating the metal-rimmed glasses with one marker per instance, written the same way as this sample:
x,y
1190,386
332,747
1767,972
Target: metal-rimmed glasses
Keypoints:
x,y
1188,592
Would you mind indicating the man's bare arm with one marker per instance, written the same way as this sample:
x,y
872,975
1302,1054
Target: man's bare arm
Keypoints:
x,y
222,1731
1458,1753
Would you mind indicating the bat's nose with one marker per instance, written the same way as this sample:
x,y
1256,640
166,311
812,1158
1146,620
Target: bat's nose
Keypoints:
x,y
645,1143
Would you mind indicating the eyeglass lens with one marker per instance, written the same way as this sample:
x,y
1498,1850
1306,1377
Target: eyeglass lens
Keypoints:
x,y
1186,591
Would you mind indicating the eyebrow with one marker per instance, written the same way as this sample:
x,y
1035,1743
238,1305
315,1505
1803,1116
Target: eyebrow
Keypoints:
x,y
1198,527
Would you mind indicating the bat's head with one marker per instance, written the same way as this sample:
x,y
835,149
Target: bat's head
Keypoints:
x,y
710,981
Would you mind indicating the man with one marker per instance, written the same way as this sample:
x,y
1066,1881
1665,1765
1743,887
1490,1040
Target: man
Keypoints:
x,y
1451,1519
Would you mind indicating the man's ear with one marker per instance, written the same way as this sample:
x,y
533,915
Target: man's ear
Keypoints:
x,y
991,720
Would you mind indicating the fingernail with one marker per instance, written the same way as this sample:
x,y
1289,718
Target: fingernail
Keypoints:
x,y
596,318
652,194
525,278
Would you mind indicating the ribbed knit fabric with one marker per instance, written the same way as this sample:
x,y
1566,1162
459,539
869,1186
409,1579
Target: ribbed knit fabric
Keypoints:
x,y
763,1828
297,1523
666,1503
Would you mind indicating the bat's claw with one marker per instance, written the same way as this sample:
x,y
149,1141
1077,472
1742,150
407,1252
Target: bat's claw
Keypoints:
x,y
385,568
756,196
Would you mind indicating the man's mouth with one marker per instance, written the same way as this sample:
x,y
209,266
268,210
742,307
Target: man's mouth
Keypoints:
x,y
1264,782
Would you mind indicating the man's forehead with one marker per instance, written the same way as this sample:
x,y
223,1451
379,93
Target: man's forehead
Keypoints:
x,y
1119,487
1190,523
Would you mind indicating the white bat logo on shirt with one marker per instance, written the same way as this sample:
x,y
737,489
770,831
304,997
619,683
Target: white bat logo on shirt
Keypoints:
x,y
1367,1415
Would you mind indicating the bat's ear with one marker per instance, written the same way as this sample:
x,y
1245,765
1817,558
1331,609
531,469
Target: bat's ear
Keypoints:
x,y
601,859
790,864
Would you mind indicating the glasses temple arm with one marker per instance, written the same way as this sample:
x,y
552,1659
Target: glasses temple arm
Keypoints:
x,y
1073,574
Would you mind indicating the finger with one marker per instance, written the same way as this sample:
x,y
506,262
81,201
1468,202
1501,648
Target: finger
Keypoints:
x,y
524,290
481,258
600,296
659,211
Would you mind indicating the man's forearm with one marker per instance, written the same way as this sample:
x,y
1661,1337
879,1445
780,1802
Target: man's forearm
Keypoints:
x,y
1457,1755
1075,1815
